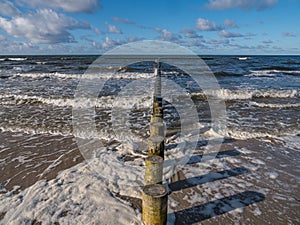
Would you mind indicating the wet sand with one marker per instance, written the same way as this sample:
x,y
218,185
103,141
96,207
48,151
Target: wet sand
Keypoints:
x,y
249,182
27,158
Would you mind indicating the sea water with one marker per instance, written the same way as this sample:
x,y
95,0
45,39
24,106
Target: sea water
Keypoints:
x,y
262,97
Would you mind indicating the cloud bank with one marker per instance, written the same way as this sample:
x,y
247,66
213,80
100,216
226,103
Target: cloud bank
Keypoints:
x,y
206,25
83,6
44,26
8,9
243,4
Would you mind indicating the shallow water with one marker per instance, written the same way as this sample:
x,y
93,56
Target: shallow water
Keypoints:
x,y
262,97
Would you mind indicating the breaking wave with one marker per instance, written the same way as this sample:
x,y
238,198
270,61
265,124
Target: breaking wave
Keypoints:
x,y
227,94
101,102
276,106
132,75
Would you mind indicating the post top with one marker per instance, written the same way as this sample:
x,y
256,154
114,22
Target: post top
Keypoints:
x,y
155,190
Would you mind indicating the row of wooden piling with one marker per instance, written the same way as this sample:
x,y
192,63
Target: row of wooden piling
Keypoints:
x,y
155,195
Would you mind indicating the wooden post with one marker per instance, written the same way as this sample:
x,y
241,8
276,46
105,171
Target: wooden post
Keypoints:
x,y
154,206
158,111
156,146
156,119
157,101
154,170
157,106
155,198
157,84
157,129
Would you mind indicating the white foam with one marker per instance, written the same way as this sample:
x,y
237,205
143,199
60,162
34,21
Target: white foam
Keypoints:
x,y
271,105
104,134
271,73
273,175
257,212
88,76
27,130
17,59
258,162
291,141
77,196
141,101
262,73
244,135
227,94
21,159
212,133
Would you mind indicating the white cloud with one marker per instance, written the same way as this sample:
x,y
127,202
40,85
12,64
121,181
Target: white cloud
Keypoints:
x,y
205,25
127,21
86,6
190,33
217,42
230,23
166,35
124,20
14,47
227,34
133,39
243,4
109,43
288,34
98,31
44,26
114,29
197,43
267,42
8,9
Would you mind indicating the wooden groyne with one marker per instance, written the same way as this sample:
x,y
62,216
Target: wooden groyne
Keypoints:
x,y
155,195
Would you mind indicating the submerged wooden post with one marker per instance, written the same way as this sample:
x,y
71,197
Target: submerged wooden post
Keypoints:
x,y
157,84
154,170
156,146
156,119
158,111
154,206
157,101
157,129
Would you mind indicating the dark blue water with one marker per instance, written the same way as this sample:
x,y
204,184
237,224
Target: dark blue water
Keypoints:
x,y
261,92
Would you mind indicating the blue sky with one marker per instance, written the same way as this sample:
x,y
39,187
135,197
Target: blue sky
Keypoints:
x,y
95,26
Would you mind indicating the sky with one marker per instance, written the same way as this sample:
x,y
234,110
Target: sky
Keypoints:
x,y
244,27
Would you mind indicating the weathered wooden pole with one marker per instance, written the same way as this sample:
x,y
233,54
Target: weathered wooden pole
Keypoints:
x,y
156,119
156,146
157,84
157,129
157,109
155,195
154,206
157,101
154,170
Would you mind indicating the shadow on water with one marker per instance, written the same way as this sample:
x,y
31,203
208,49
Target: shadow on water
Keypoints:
x,y
217,207
210,177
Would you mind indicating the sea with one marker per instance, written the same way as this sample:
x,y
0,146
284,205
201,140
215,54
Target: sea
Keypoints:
x,y
254,178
